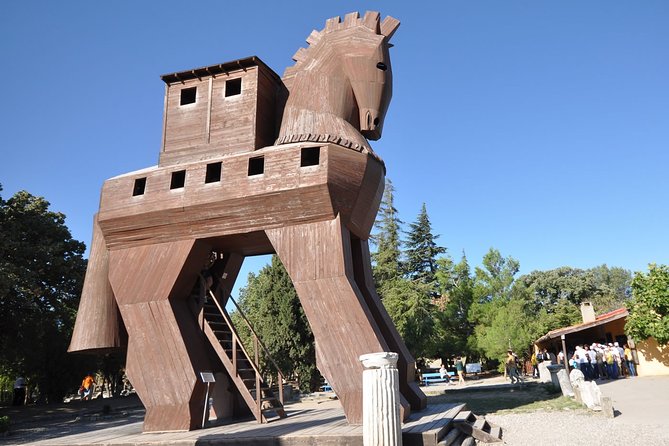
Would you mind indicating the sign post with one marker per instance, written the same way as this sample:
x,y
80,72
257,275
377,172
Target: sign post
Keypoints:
x,y
207,377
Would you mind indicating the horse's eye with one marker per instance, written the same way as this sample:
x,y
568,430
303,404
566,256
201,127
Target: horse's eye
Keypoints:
x,y
381,66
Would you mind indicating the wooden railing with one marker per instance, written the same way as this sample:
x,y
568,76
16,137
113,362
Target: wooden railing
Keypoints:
x,y
257,346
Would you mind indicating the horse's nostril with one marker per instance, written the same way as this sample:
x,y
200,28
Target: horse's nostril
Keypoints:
x,y
376,121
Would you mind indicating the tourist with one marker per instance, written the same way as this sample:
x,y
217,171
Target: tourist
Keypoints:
x,y
616,361
622,364
599,355
87,387
535,365
611,366
460,368
586,368
560,357
511,368
19,391
573,360
629,359
547,356
592,357
582,361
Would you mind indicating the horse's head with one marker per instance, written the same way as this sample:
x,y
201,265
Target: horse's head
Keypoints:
x,y
343,77
366,63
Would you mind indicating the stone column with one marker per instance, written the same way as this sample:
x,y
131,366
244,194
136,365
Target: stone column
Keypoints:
x,y
554,369
381,423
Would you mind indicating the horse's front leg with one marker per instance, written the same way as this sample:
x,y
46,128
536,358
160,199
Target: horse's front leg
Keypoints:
x,y
319,261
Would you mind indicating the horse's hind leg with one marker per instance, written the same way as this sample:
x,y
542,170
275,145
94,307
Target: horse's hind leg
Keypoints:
x,y
318,259
406,363
165,345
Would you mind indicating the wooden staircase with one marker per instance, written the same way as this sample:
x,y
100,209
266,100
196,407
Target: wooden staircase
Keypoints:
x,y
469,429
242,369
448,424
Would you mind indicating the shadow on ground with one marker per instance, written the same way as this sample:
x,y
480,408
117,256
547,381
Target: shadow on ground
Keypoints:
x,y
484,400
33,423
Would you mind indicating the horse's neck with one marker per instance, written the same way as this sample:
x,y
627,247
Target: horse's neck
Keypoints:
x,y
320,108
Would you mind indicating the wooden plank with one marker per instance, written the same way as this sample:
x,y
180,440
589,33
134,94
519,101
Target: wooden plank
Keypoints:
x,y
480,423
477,433
463,416
429,430
496,431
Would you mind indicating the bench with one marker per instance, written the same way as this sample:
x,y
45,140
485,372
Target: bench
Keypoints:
x,y
428,378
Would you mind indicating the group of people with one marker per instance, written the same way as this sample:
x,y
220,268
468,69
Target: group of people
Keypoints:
x,y
539,357
595,361
600,361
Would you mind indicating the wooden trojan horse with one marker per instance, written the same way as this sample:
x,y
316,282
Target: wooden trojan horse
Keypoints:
x,y
250,164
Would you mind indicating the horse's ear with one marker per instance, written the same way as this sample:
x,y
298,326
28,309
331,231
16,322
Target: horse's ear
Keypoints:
x,y
389,26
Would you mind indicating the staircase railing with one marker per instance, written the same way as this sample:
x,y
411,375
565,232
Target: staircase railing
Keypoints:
x,y
257,345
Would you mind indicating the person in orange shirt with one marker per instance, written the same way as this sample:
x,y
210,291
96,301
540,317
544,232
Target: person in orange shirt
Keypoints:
x,y
87,387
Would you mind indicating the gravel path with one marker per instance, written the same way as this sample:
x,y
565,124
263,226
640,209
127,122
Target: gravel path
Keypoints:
x,y
570,428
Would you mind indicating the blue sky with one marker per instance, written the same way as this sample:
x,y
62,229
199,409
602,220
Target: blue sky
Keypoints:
x,y
539,128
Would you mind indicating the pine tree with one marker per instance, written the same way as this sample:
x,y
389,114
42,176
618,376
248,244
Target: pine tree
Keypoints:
x,y
270,303
387,263
410,307
422,251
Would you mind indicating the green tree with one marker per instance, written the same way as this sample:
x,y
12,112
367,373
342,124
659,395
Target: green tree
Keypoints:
x,y
457,295
495,279
387,262
410,306
573,284
615,284
493,285
41,275
270,303
422,251
649,310
513,325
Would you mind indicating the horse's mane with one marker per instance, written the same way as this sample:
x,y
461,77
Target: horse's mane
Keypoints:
x,y
371,20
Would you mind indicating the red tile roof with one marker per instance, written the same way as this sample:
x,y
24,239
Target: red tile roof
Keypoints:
x,y
599,320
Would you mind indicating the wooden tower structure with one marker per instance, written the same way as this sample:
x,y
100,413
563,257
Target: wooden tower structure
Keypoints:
x,y
250,164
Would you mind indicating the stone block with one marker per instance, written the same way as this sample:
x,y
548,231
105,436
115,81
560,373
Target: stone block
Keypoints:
x,y
586,392
544,373
565,384
607,407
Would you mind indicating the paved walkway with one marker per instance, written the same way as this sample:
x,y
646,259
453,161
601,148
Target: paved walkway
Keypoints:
x,y
637,401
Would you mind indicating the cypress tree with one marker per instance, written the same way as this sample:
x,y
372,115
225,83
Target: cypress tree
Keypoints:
x,y
422,251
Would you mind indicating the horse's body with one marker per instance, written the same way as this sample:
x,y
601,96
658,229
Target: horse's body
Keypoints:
x,y
147,252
